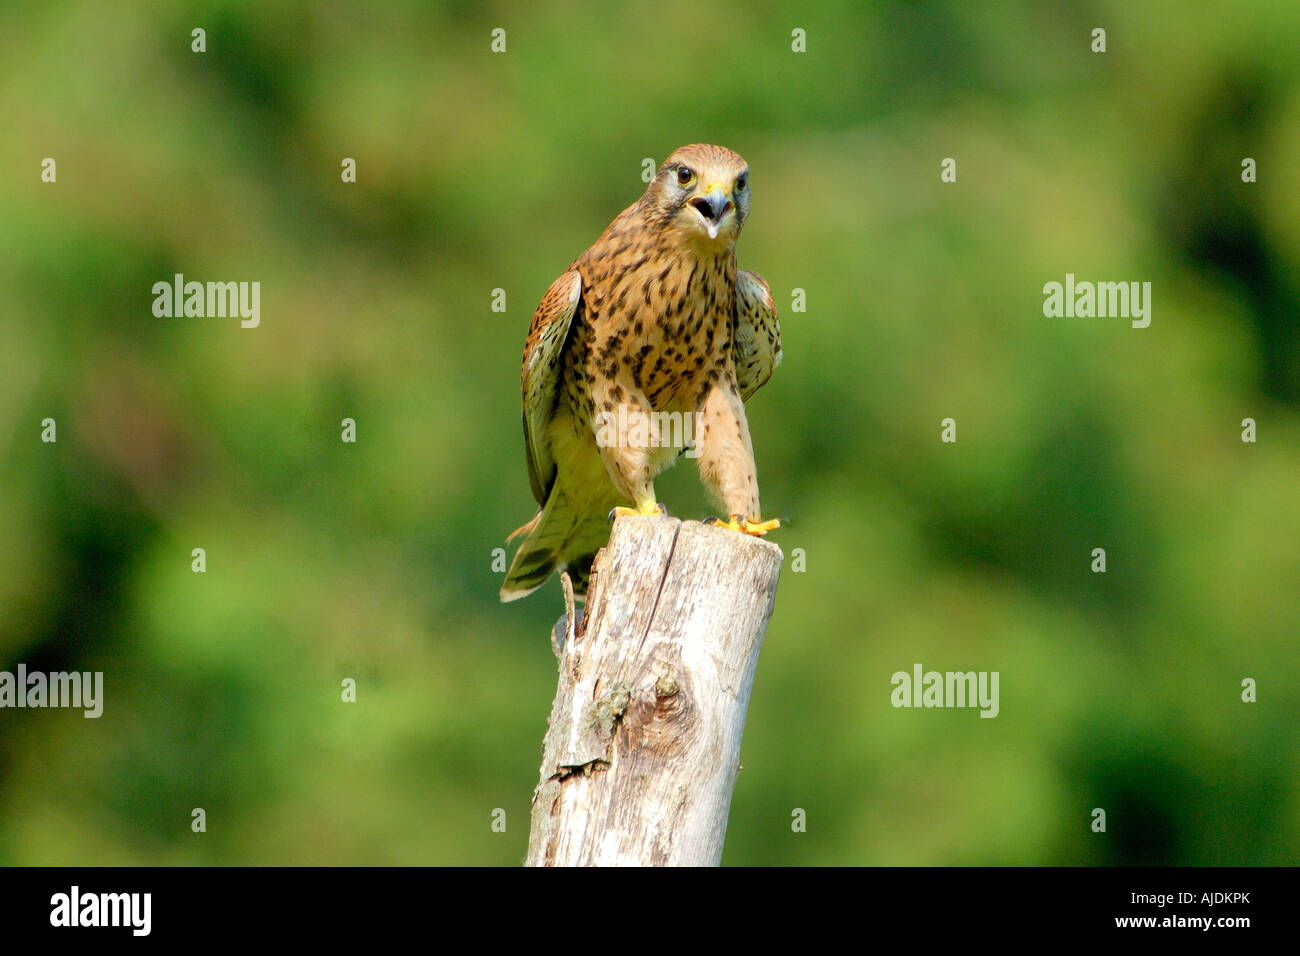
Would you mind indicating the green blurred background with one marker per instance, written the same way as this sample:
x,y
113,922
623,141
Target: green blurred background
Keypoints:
x,y
479,171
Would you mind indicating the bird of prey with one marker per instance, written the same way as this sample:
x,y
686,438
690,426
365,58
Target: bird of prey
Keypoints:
x,y
651,326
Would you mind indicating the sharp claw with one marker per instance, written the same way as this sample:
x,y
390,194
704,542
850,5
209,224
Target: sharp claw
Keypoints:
x,y
620,510
744,525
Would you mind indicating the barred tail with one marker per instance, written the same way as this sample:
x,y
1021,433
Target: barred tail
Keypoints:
x,y
535,560
554,541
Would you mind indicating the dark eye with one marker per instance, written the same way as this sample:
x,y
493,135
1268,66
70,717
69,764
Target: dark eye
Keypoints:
x,y
741,183
684,176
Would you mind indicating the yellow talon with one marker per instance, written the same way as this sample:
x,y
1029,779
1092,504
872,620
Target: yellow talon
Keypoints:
x,y
645,510
744,525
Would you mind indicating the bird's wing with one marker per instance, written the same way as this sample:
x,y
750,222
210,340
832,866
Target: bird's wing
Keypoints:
x,y
757,349
543,361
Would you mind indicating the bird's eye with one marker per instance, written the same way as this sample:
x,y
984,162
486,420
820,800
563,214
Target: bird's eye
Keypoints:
x,y
684,176
741,183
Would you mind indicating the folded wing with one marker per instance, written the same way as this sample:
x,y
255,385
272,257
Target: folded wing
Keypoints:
x,y
543,364
757,348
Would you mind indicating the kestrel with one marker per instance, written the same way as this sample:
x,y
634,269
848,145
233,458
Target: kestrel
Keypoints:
x,y
651,327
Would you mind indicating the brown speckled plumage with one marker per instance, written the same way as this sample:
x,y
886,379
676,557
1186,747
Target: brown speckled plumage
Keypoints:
x,y
655,317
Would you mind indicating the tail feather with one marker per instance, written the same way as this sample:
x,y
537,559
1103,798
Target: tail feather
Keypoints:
x,y
536,558
560,537
525,528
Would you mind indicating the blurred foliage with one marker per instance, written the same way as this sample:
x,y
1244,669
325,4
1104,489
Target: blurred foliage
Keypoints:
x,y
478,171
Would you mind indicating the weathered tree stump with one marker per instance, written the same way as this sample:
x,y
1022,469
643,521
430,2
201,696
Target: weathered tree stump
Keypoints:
x,y
643,747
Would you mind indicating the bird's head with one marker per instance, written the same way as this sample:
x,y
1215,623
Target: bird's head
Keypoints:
x,y
703,193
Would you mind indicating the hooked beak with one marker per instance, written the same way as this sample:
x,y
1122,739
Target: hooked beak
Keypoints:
x,y
712,206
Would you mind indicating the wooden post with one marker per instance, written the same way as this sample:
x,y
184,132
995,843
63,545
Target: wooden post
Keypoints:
x,y
643,746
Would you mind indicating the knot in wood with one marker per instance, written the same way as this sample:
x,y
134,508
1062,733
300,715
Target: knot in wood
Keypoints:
x,y
666,686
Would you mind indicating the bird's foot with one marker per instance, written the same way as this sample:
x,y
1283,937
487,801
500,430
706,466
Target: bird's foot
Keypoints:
x,y
742,524
646,510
